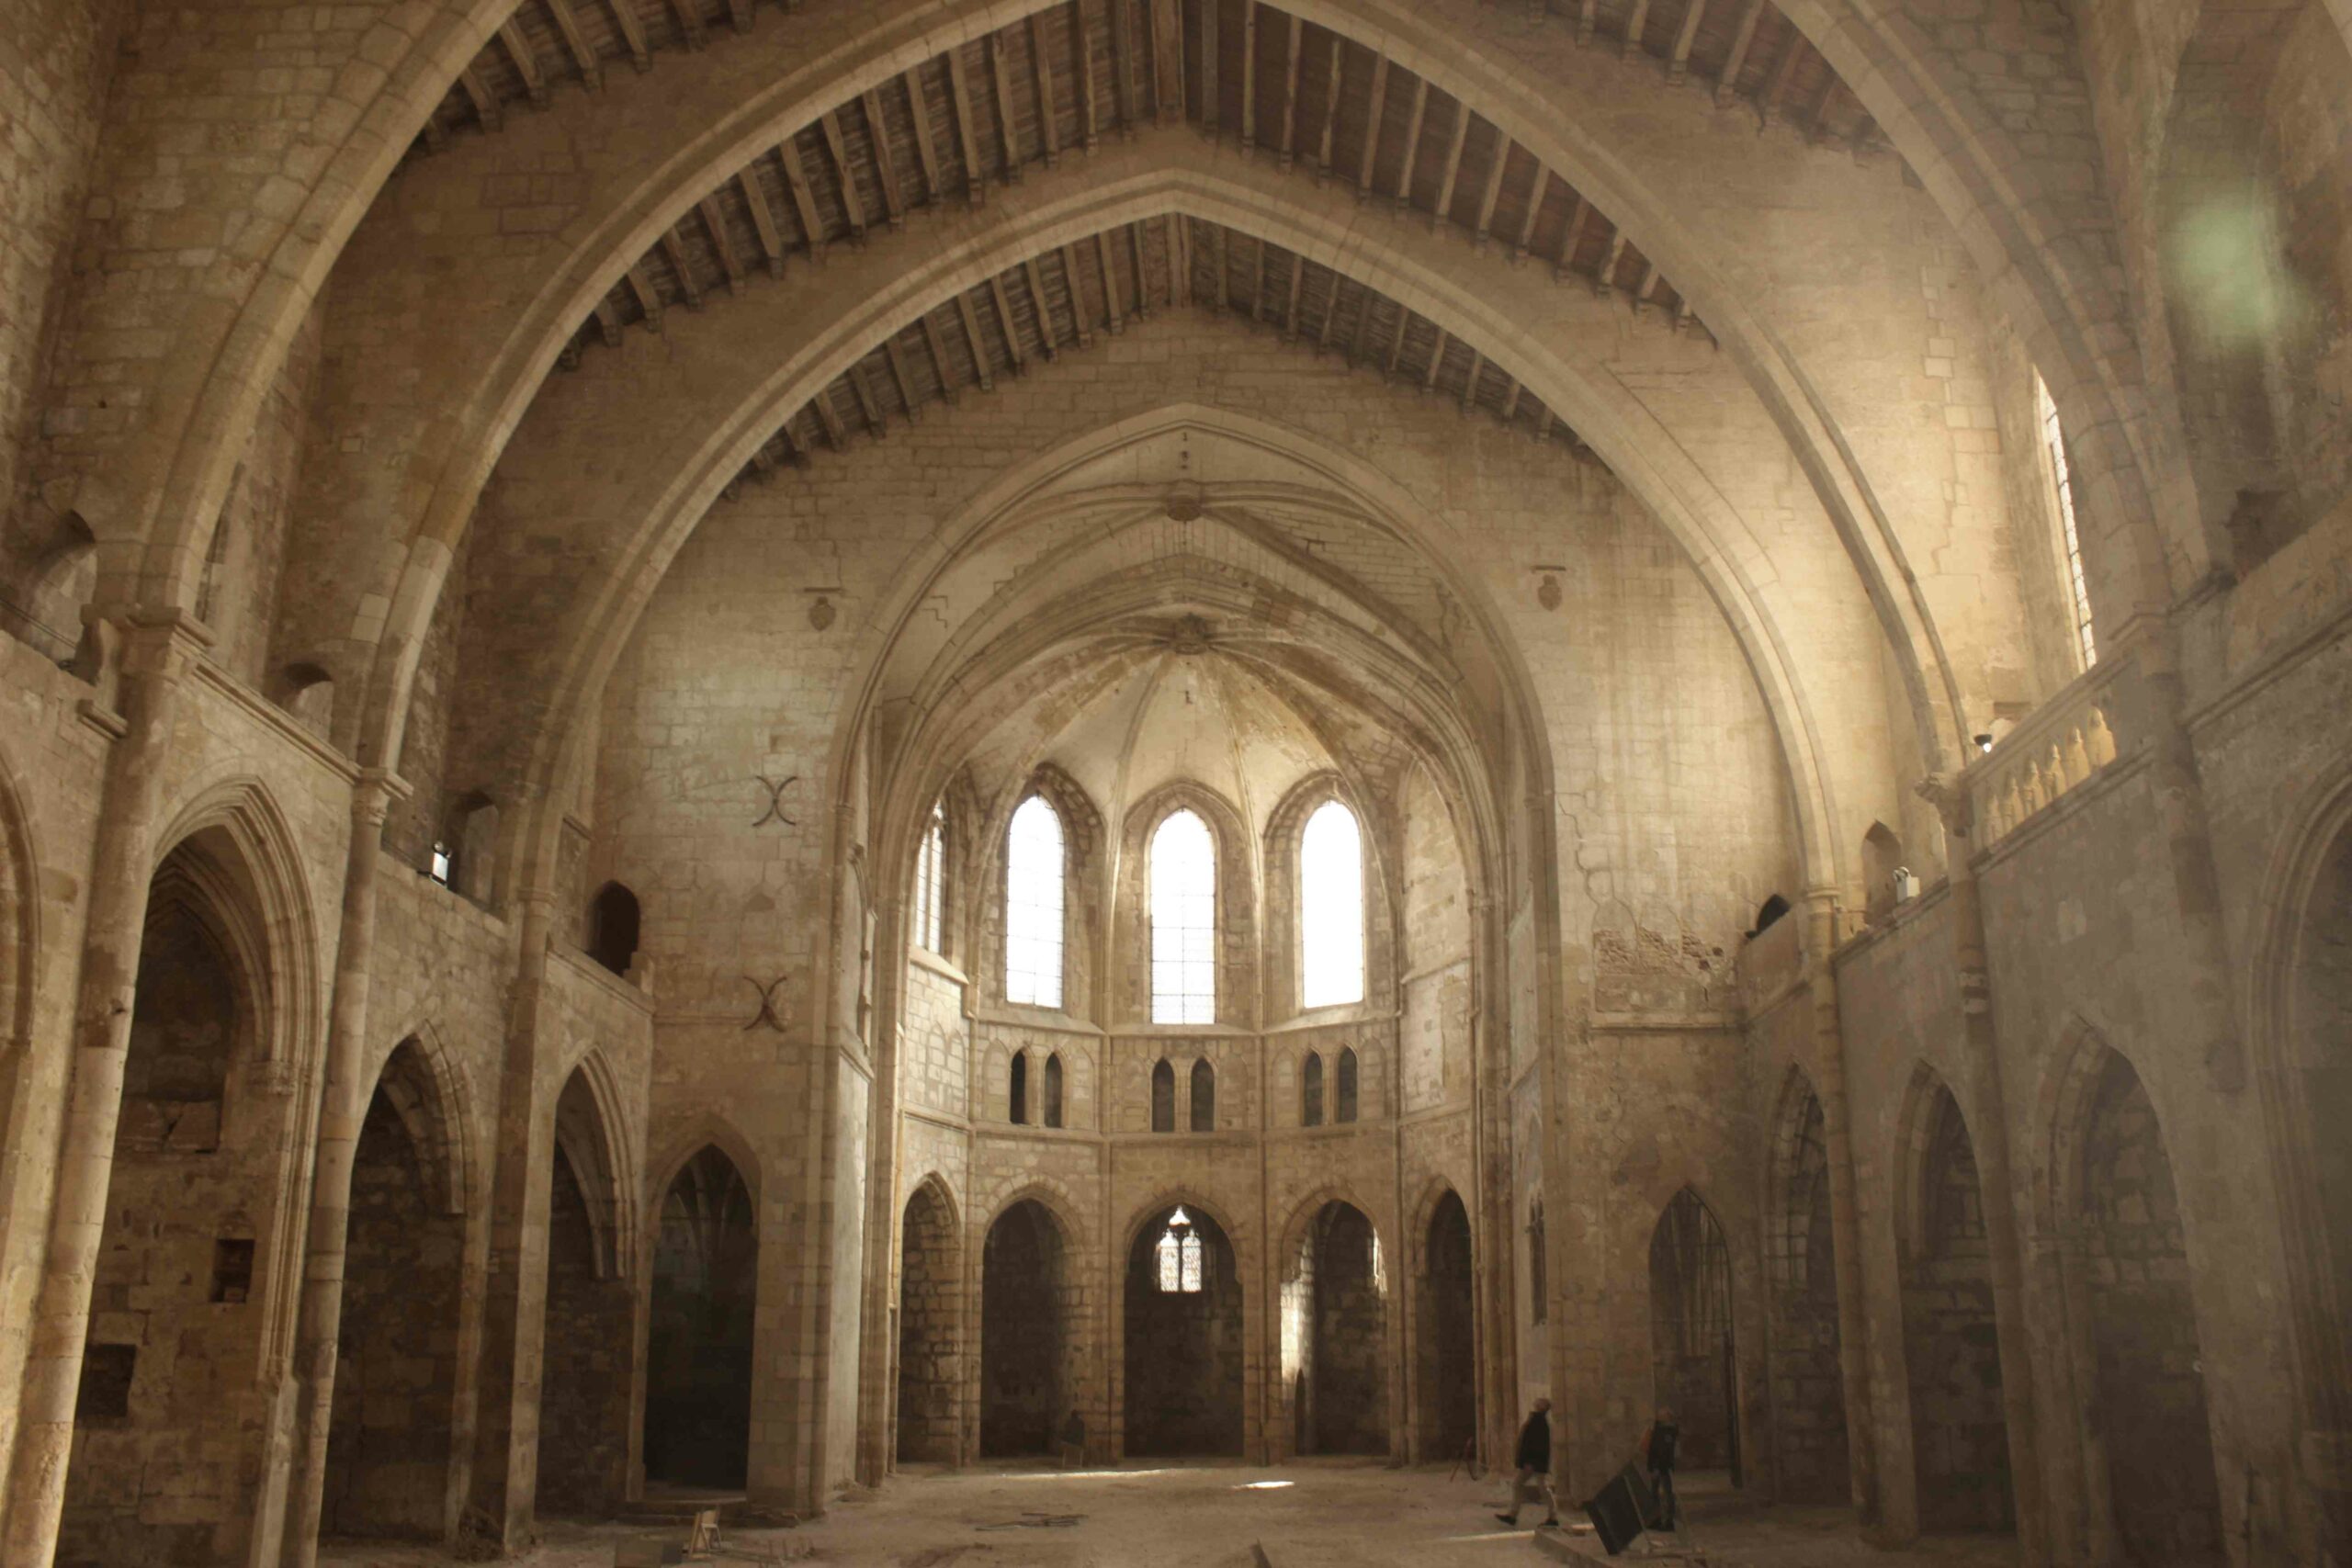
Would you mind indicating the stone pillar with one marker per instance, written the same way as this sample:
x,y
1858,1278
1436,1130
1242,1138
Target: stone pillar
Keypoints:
x,y
156,648
342,1107
878,1353
506,1425
1837,1129
1990,1137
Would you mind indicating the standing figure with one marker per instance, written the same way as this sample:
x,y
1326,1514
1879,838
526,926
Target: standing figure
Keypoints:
x,y
1657,1449
1534,1461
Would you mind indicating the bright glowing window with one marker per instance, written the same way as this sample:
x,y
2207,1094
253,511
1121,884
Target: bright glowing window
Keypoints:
x,y
2078,591
1033,907
1179,1256
1331,907
931,884
1183,921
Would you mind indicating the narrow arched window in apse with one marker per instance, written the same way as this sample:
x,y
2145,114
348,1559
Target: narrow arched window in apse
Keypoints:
x,y
1054,1090
2054,441
1344,1102
1017,1094
1183,921
1163,1096
1032,906
931,884
1310,1091
1331,907
1204,1097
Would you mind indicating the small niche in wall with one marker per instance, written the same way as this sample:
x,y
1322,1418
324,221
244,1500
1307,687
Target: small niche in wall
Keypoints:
x,y
105,1393
233,1270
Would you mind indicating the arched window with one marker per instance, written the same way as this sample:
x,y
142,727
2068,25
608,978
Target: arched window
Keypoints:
x,y
1178,1254
612,928
1017,1094
1032,906
1163,1096
1183,921
1204,1097
1054,1090
1331,907
931,884
1344,1106
1310,1091
2054,441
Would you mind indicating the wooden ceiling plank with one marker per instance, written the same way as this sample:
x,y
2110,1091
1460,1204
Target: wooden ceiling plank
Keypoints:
x,y
1005,321
1330,120
1040,70
1140,252
674,249
527,60
975,342
724,243
1397,343
1642,289
739,13
1605,279
1248,75
1678,64
1179,260
1000,77
878,135
1222,271
1535,195
1258,294
1485,226
1437,361
1816,119
632,31
926,152
1571,237
1587,18
755,197
1041,309
1470,385
878,423
1413,140
1330,316
940,363
1360,338
1767,98
1113,307
836,435
1212,97
575,43
829,125
1544,423
904,378
1073,278
1290,90
1447,181
1123,65
1090,119
648,299
1168,61
1635,23
1370,155
688,14
487,108
959,88
1511,390
1297,285
795,180
608,323
1742,38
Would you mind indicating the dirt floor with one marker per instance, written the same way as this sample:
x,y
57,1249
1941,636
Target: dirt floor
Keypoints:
x,y
1311,1515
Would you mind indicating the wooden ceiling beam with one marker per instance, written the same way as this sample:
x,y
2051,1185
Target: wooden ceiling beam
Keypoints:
x,y
1223,271
1258,294
1678,64
1167,61
688,16
836,434
1297,285
939,362
1249,76
575,43
1370,155
527,60
878,421
739,13
1330,316
649,299
1485,228
675,251
1041,309
487,108
1641,288
1636,22
1784,70
1571,237
608,323
1113,308
1122,66
1816,119
1212,100
1000,78
1179,260
878,135
1470,386
1011,328
1535,195
1139,242
632,31
1511,390
1397,343
1040,70
1605,279
1588,18
959,88
1413,140
903,378
1090,124
795,181
1330,120
926,152
723,242
755,197
1437,361
1073,279
1451,176
982,365
1361,338
1290,90
1742,38
844,173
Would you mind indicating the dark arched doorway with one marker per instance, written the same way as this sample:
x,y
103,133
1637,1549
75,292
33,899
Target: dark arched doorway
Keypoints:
x,y
1335,1324
929,1307
1183,1357
1693,1364
699,1332
584,1368
1809,1453
1445,1354
1026,1282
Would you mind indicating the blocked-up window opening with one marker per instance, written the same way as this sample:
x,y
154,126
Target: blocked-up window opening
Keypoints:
x,y
1054,1090
1204,1098
1183,921
931,884
107,1371
1163,1096
1345,1107
1310,1092
1331,903
1017,1091
1032,906
2054,441
233,1270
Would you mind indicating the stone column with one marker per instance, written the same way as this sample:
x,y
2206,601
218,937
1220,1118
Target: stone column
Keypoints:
x,y
878,1353
1845,1221
342,1107
1989,1133
506,1425
156,648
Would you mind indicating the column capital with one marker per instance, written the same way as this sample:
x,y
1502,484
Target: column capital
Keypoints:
x,y
1949,794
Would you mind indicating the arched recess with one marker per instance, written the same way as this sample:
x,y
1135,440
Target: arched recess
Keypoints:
x,y
1446,1351
2123,1259
588,1333
1693,1352
930,1318
393,1465
1809,1438
1335,1356
1183,1349
698,1367
1030,1296
1960,1441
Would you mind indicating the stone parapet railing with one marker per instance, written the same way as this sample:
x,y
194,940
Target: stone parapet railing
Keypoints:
x,y
2061,746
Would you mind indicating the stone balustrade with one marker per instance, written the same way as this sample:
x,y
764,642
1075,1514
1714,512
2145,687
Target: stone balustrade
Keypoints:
x,y
2060,745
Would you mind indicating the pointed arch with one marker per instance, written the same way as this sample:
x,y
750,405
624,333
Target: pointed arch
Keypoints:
x,y
591,1134
427,1092
1200,1096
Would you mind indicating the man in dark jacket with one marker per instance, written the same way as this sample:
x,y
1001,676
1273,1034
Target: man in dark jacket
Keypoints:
x,y
1657,1449
1534,1461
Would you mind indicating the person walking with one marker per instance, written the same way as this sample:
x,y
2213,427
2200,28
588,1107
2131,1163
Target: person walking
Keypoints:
x,y
1658,1452
1534,1462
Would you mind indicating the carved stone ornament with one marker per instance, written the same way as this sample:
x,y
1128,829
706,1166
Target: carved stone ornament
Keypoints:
x,y
1185,502
1948,793
1547,592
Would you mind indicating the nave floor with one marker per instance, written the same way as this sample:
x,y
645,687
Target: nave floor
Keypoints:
x,y
1319,1514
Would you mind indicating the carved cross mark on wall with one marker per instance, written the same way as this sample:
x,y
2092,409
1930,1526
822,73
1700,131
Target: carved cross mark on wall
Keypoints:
x,y
767,1013
776,812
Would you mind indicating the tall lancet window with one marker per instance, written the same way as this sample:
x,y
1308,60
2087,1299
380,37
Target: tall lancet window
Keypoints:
x,y
1183,921
931,884
1331,907
2069,541
1032,906
1178,1253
